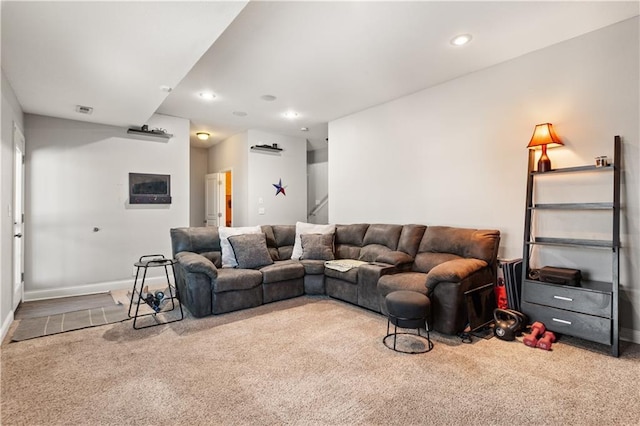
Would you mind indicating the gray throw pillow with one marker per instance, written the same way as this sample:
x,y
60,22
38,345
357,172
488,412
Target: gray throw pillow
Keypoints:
x,y
250,250
317,246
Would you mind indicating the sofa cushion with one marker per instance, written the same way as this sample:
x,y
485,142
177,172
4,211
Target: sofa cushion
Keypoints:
x,y
250,250
308,228
228,257
215,257
383,234
317,246
410,238
352,235
271,241
371,252
285,236
196,240
282,270
232,279
413,281
468,243
313,267
396,258
424,262
348,240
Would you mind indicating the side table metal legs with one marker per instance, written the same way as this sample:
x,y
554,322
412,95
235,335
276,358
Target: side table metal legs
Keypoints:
x,y
146,262
427,346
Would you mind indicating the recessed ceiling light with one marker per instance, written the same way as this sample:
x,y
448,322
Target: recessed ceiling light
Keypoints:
x,y
461,40
291,114
239,113
268,98
207,95
304,129
203,136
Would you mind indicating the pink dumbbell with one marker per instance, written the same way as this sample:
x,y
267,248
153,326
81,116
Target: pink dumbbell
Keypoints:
x,y
546,340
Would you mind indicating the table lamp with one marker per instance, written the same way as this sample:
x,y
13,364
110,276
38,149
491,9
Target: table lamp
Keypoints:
x,y
544,135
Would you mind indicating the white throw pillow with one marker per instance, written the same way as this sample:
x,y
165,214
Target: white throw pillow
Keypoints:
x,y
308,228
228,256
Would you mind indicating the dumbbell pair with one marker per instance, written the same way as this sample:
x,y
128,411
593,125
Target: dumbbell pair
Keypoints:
x,y
539,337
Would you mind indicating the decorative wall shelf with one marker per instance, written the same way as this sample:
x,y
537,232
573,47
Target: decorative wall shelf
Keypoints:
x,y
266,148
153,134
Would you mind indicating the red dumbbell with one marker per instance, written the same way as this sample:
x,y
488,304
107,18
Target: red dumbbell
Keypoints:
x,y
537,329
546,340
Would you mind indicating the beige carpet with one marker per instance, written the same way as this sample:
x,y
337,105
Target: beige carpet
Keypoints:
x,y
306,361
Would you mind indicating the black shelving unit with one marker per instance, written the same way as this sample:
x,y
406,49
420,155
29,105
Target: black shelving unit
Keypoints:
x,y
589,311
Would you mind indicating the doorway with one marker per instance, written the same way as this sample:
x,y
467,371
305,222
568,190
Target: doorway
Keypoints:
x,y
218,199
228,193
18,216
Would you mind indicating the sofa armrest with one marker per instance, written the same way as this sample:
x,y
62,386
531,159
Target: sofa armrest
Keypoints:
x,y
455,271
196,263
395,258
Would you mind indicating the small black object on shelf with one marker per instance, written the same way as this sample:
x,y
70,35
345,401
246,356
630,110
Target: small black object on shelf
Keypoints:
x,y
268,148
144,131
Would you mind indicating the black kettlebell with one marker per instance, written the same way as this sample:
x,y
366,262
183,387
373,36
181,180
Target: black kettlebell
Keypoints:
x,y
508,323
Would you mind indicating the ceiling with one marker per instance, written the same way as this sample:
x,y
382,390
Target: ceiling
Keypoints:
x,y
324,60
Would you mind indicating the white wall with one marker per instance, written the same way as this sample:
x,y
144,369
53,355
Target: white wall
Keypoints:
x,y
455,154
11,113
266,169
77,179
232,154
253,174
198,158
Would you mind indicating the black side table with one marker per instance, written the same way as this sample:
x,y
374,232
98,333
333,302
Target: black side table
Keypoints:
x,y
152,261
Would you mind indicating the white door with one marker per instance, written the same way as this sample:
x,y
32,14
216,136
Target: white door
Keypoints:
x,y
18,217
215,196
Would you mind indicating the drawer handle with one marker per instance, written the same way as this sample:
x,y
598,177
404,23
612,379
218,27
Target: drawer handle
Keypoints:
x,y
561,321
567,299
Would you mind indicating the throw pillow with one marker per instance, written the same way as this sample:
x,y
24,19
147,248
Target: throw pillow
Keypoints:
x,y
250,250
317,246
308,228
228,257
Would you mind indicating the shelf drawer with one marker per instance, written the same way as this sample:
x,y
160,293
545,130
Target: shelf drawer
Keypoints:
x,y
587,327
574,299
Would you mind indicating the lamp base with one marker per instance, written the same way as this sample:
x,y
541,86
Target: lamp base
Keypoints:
x,y
544,165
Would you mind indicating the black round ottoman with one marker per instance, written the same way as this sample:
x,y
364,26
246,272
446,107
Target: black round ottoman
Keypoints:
x,y
408,309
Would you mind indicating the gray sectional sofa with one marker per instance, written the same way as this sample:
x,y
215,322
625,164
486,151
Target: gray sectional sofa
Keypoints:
x,y
438,261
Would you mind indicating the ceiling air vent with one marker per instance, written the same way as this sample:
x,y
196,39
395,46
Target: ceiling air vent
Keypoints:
x,y
84,109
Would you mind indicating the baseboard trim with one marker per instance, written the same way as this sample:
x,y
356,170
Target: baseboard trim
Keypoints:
x,y
630,335
5,326
83,290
